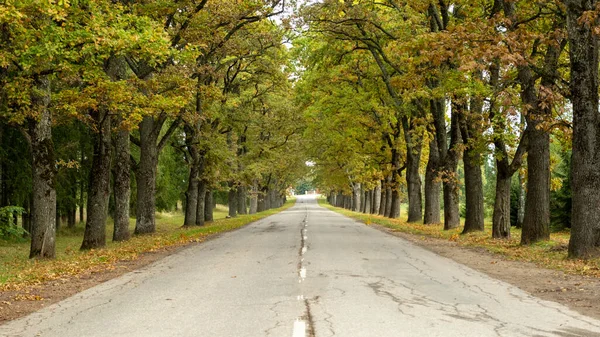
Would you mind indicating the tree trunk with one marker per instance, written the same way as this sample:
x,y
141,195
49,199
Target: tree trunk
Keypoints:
x,y
413,181
377,198
584,48
241,203
432,186
451,200
191,195
43,219
501,216
99,184
200,205
383,205
232,200
368,201
254,199
536,222
474,219
356,197
122,181
209,206
146,177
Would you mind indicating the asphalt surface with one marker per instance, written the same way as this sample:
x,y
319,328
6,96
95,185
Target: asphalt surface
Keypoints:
x,y
304,272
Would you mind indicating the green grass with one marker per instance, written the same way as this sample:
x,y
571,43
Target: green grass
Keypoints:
x,y
549,254
17,271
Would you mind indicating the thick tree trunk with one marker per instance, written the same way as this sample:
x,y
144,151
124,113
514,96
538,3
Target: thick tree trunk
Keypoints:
x,y
201,203
43,233
413,181
501,216
99,184
474,219
209,206
432,186
241,203
536,222
232,200
122,185
584,49
191,196
146,177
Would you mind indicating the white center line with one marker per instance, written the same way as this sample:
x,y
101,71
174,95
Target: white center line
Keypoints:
x,y
299,329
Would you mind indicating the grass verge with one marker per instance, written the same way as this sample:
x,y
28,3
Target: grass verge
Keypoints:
x,y
17,271
549,254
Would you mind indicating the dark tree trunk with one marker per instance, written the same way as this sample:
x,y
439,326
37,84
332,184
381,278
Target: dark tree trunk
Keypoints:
x,y
584,48
43,214
536,222
394,205
448,156
368,201
501,216
377,198
413,181
201,204
388,202
99,184
146,176
432,186
241,203
191,195
122,185
260,204
232,200
471,129
209,206
474,219
383,205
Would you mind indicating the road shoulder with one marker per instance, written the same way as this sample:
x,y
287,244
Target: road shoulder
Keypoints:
x,y
580,293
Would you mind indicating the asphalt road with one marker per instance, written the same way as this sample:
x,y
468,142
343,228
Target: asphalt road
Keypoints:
x,y
304,272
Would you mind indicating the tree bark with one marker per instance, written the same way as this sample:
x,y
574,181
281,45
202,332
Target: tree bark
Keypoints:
x,y
536,222
584,48
356,197
43,219
413,182
432,186
122,182
377,198
501,216
521,196
254,199
471,130
241,203
146,176
201,203
99,183
209,205
368,201
232,200
191,195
